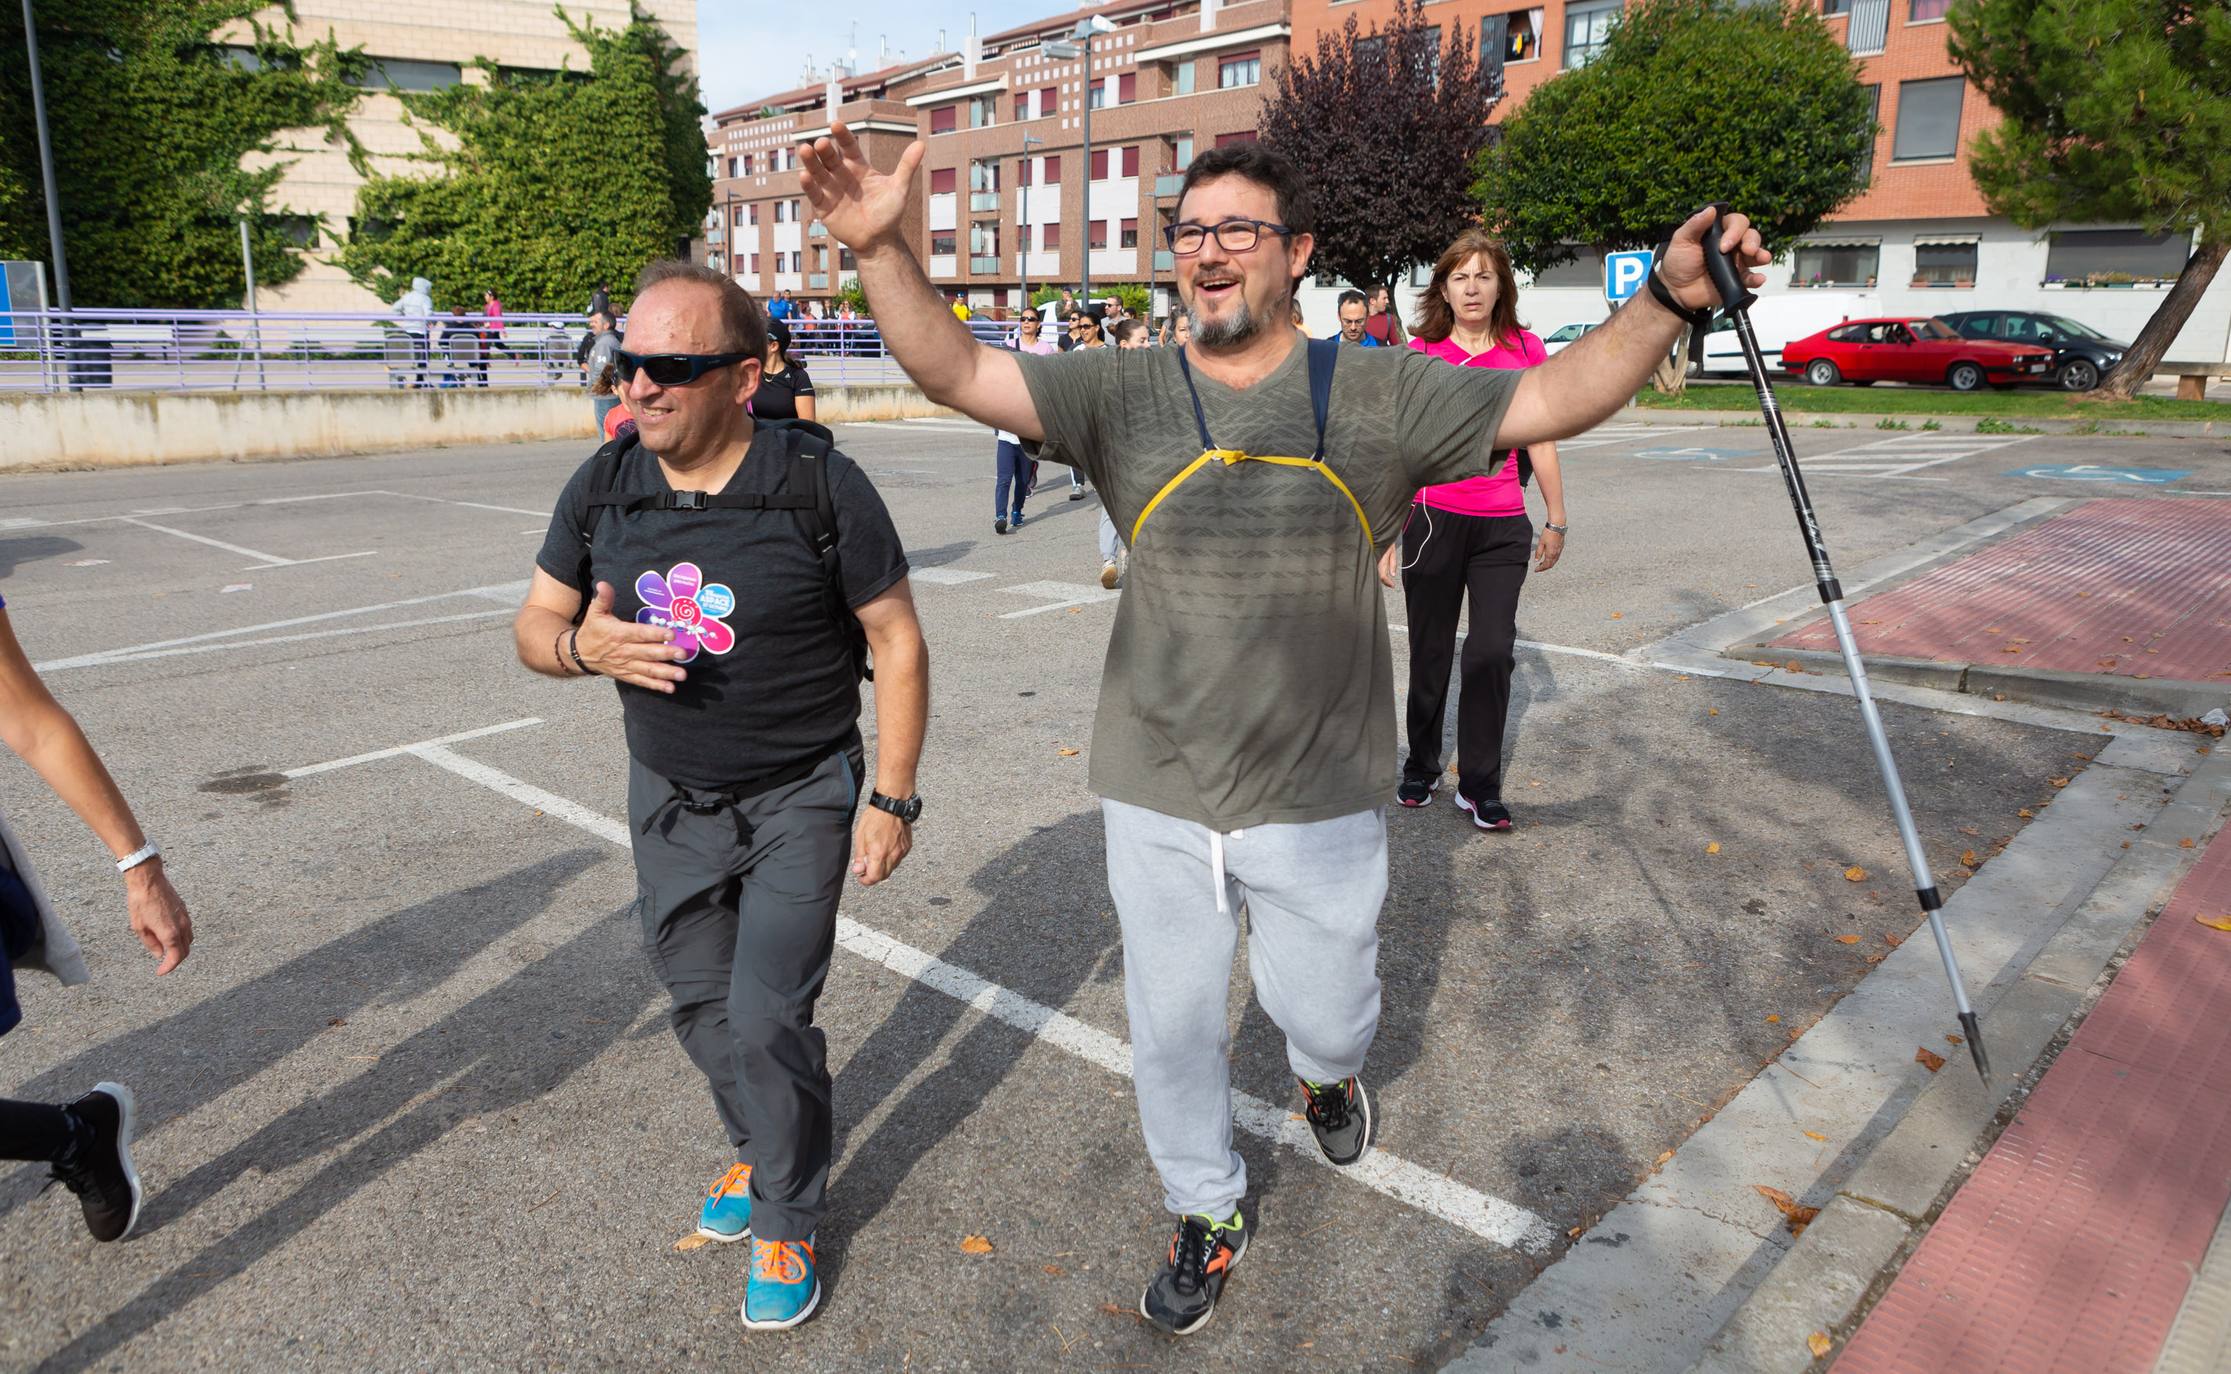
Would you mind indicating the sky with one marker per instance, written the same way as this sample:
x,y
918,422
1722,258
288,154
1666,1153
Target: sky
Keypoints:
x,y
753,48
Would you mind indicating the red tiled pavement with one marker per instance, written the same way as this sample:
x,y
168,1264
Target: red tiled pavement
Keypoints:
x,y
2135,588
2072,1245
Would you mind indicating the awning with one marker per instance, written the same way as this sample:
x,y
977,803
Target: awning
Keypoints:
x,y
1841,243
1945,240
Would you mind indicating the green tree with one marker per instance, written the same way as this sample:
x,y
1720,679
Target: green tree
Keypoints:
x,y
1388,123
1689,102
555,183
150,122
2115,110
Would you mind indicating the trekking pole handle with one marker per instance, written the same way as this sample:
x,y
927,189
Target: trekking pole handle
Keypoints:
x,y
1733,294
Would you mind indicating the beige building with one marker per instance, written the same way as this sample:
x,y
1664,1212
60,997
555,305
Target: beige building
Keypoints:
x,y
418,45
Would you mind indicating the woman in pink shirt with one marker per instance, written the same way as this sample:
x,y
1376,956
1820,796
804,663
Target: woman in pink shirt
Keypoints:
x,y
1471,537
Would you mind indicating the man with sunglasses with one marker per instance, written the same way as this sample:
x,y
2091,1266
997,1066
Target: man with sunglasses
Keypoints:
x,y
1245,736
680,564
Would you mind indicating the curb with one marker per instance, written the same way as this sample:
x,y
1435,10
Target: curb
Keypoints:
x,y
1884,1206
2042,686
1796,419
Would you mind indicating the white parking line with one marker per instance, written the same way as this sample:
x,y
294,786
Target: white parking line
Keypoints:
x,y
1491,1218
506,592
1900,456
265,560
377,754
946,577
1071,594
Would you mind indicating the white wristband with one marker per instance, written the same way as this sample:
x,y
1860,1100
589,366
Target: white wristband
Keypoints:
x,y
138,856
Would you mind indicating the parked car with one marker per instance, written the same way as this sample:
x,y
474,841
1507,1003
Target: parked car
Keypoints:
x,y
1912,349
1775,320
1564,334
2081,354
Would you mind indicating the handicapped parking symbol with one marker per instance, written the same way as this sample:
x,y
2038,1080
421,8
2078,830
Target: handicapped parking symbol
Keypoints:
x,y
1687,455
2100,472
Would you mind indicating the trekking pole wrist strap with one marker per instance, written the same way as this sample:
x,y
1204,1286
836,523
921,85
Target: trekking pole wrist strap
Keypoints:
x,y
1699,318
573,650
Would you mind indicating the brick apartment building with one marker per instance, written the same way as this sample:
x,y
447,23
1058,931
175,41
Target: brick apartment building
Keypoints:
x,y
1918,240
1004,124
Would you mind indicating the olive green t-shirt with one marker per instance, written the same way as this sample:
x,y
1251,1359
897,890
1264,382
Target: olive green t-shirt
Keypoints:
x,y
1249,680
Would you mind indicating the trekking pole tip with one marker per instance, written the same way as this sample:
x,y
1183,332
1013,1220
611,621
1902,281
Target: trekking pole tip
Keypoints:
x,y
1974,1029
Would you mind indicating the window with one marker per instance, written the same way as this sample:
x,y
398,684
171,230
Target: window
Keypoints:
x,y
735,167
1129,235
1131,160
1429,55
1181,78
754,268
782,211
1127,88
1181,152
1022,107
845,259
1097,93
1049,237
1835,264
1944,264
1586,28
983,238
408,74
1099,164
751,214
2110,257
1832,7
1049,99
1240,69
1053,169
945,119
1926,10
1022,173
983,176
1096,233
1243,136
301,230
943,181
943,244
1518,37
983,111
1928,118
1874,120
1850,333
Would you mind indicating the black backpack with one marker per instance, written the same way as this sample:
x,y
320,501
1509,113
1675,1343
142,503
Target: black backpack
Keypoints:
x,y
804,490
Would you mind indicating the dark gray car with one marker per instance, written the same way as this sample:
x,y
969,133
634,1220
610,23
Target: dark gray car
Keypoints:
x,y
2081,354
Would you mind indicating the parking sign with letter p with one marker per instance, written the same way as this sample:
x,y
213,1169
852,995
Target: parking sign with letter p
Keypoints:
x,y
1624,274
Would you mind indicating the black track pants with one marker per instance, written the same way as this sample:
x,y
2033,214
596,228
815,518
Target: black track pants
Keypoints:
x,y
1447,556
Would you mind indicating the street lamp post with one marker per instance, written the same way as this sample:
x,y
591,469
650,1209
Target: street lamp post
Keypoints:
x,y
1022,228
1087,29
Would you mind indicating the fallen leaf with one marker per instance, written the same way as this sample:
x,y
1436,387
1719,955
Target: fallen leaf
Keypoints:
x,y
1815,1135
2185,843
975,1245
1967,857
1114,1311
1773,1018
1797,1215
1969,830
1928,1058
1713,711
1847,939
1054,1269
1576,1230
1714,847
1893,940
1818,1343
2058,782
2215,922
1951,1039
2026,814
336,1021
1855,874
1068,753
692,1242
1662,1158
1618,615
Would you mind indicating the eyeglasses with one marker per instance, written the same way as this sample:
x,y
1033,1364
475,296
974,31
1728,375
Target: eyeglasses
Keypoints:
x,y
1233,235
673,369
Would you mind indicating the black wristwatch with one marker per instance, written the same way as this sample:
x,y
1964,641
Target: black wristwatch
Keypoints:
x,y
908,810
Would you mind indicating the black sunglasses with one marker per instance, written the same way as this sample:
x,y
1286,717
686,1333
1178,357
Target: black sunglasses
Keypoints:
x,y
673,369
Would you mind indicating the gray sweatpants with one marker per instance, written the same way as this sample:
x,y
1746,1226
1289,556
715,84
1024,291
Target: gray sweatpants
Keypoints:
x,y
1312,894
739,910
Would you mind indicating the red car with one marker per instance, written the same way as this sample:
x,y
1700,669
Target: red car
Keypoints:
x,y
1916,349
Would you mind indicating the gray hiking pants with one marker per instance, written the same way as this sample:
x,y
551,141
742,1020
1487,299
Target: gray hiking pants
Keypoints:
x,y
739,910
1312,894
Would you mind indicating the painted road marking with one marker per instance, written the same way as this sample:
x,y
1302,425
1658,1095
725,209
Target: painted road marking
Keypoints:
x,y
1616,434
376,755
1690,455
946,577
2099,472
1070,594
1900,456
264,560
506,592
1491,1218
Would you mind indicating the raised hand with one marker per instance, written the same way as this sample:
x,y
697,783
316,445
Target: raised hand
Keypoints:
x,y
1682,266
642,655
864,208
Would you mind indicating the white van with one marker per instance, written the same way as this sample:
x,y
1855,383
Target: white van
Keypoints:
x,y
1777,319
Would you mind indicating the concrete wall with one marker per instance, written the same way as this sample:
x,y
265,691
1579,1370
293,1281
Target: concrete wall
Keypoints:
x,y
127,428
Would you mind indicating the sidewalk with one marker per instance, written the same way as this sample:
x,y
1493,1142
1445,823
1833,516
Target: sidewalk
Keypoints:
x,y
2123,602
2074,1242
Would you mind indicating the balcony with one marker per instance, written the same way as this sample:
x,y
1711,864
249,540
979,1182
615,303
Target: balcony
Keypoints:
x,y
817,230
984,266
818,281
1164,260
1869,26
1168,186
983,200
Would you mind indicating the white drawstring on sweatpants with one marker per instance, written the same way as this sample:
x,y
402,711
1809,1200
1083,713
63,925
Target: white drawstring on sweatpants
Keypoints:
x,y
1216,867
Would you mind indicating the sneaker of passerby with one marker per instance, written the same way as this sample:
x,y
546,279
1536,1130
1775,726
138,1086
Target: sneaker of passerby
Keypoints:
x,y
734,578
1415,792
1488,813
88,1143
1207,807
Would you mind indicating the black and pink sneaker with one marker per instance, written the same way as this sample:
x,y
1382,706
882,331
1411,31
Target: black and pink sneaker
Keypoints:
x,y
1488,814
1417,792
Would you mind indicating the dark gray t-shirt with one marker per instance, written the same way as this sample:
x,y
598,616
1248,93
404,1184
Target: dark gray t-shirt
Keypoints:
x,y
771,687
1249,680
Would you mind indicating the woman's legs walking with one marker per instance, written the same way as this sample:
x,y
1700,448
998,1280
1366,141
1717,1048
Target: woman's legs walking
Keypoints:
x,y
1494,571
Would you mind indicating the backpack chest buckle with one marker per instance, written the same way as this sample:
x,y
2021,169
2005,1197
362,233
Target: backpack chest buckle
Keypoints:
x,y
689,500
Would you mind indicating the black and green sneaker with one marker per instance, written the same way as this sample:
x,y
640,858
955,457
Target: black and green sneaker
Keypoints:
x,y
1340,1115
1182,1297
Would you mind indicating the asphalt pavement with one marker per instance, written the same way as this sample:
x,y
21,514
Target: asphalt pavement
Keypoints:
x,y
413,1102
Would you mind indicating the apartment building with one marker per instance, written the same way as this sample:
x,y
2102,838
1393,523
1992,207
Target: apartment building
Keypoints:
x,y
1011,194
417,45
1918,240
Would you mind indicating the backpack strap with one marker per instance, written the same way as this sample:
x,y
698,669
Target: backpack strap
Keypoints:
x,y
806,491
1324,354
604,476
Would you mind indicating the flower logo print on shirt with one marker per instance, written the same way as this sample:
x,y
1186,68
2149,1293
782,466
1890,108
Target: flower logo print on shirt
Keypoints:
x,y
683,601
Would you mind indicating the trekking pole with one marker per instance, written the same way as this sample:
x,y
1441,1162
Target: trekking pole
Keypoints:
x,y
1738,301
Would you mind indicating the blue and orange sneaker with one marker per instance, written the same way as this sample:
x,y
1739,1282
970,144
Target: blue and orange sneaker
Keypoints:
x,y
783,1290
1182,1297
726,1215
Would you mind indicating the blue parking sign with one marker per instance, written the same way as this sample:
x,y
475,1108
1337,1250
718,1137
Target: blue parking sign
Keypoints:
x,y
1624,274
